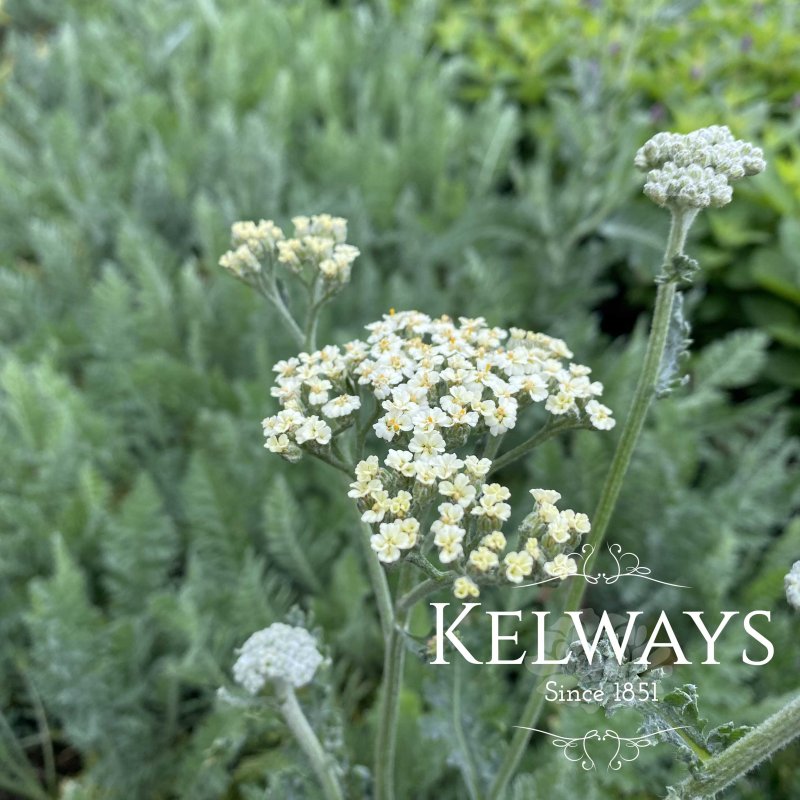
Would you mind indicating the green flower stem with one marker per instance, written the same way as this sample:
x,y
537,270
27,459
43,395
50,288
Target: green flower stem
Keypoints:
x,y
542,435
672,719
336,463
643,396
323,764
380,586
269,289
744,755
429,569
423,590
386,742
492,445
469,770
314,304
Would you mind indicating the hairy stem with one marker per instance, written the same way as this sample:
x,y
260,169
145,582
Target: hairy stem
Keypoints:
x,y
386,741
542,435
745,755
323,764
422,590
468,769
380,586
269,289
642,398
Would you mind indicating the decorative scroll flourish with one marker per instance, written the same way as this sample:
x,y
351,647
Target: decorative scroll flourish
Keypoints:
x,y
627,565
627,748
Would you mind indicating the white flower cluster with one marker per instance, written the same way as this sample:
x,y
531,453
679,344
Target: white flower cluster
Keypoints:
x,y
435,385
317,248
546,538
277,653
792,584
695,170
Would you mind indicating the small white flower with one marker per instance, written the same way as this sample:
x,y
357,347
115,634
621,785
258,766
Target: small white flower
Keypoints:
x,y
494,512
378,509
450,513
545,496
425,472
559,529
446,465
318,391
518,566
341,406
600,416
389,543
561,567
483,558
532,547
560,403
477,467
535,386
494,541
278,444
495,493
364,488
368,468
314,429
464,587
401,461
427,443
459,489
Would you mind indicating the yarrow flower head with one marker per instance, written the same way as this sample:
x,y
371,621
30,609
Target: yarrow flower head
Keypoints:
x,y
436,385
792,584
316,251
695,170
279,653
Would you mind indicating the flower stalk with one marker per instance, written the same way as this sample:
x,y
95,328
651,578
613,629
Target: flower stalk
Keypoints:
x,y
742,756
642,398
323,765
393,666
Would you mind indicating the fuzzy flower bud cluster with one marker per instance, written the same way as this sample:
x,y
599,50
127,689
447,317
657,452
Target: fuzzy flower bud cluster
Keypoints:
x,y
695,170
317,249
279,653
792,584
436,385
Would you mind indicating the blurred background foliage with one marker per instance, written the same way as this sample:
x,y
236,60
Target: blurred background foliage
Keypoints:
x,y
482,153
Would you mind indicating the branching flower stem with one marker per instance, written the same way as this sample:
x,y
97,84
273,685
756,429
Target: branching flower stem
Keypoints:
x,y
744,755
642,398
268,288
544,433
323,765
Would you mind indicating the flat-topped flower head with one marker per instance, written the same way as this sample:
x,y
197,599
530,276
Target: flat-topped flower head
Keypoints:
x,y
439,391
696,170
279,653
792,584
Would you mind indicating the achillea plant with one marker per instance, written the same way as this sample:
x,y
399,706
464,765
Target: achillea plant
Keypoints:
x,y
415,413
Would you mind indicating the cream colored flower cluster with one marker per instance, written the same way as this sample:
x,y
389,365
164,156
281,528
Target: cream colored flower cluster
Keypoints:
x,y
277,653
467,531
695,170
470,514
317,248
436,384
